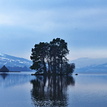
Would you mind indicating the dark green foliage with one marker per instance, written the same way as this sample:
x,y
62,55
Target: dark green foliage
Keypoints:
x,y
38,56
58,52
50,58
70,68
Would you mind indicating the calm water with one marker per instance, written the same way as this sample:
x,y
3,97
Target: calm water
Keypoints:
x,y
24,90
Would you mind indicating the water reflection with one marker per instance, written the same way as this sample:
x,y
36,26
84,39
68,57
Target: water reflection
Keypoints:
x,y
51,91
10,79
3,75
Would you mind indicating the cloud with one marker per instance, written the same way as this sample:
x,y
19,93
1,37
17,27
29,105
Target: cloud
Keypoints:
x,y
6,20
93,53
81,23
53,19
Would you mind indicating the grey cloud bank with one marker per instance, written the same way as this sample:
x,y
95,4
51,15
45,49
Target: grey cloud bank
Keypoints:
x,y
81,23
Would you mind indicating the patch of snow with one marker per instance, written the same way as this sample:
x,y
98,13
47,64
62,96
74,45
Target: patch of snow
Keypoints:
x,y
1,54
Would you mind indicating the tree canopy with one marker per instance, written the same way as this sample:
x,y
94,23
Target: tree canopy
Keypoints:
x,y
50,58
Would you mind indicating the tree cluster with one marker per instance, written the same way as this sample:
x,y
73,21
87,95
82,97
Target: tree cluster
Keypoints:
x,y
50,58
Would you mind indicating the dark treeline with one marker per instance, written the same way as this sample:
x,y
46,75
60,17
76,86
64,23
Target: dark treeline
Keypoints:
x,y
50,58
51,91
18,68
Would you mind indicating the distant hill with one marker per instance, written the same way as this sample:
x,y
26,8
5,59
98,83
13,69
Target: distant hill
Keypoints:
x,y
14,63
84,62
102,68
91,65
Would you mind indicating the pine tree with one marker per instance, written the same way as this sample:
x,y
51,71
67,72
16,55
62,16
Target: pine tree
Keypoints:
x,y
51,57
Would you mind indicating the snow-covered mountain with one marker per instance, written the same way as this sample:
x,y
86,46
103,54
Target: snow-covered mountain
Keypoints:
x,y
13,62
91,65
102,68
85,62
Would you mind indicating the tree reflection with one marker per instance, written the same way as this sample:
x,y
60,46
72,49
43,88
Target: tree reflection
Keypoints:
x,y
51,91
3,75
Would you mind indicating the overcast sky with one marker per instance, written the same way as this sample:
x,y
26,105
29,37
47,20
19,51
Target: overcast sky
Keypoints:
x,y
82,23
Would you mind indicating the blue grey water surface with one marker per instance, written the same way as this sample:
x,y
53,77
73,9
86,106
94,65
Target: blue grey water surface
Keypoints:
x,y
24,90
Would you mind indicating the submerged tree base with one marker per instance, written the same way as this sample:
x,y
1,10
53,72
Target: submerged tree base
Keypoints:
x,y
50,74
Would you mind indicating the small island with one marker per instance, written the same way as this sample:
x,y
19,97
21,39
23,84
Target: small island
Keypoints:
x,y
50,58
4,69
